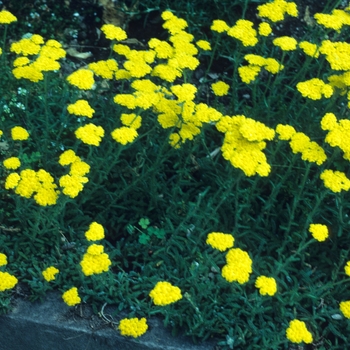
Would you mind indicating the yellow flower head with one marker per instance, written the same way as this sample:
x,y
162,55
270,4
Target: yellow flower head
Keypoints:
x,y
19,134
67,157
243,30
315,89
266,285
50,273
71,297
335,180
124,134
220,88
264,29
7,281
319,232
347,268
95,232
286,43
285,132
90,134
297,332
164,294
83,79
12,181
337,54
248,73
219,26
81,108
238,267
276,10
133,327
7,17
344,307
113,32
204,45
309,49
220,241
3,259
12,163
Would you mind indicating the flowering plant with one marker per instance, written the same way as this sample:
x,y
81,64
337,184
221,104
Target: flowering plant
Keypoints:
x,y
159,133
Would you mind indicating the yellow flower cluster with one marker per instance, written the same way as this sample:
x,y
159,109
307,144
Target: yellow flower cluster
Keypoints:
x,y
71,297
83,79
286,43
95,232
256,63
338,134
336,20
204,45
3,259
219,26
310,150
19,134
104,69
309,49
314,89
337,54
238,267
124,135
12,163
264,29
113,32
297,332
72,183
266,285
81,108
90,134
344,307
47,54
347,268
164,294
95,261
243,30
7,281
276,10
220,241
319,232
50,273
220,88
39,184
133,327
7,17
244,142
335,180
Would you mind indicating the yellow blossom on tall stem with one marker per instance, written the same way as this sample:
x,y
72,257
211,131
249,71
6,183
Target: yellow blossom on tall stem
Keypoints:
x,y
319,232
7,17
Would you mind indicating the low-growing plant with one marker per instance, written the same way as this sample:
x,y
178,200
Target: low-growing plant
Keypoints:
x,y
147,180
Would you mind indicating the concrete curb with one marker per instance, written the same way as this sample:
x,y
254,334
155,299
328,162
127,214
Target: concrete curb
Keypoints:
x,y
52,325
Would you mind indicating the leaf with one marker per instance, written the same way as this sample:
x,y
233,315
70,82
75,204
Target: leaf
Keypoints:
x,y
144,239
144,222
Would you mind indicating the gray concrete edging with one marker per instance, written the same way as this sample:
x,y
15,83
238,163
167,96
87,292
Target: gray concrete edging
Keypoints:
x,y
52,325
